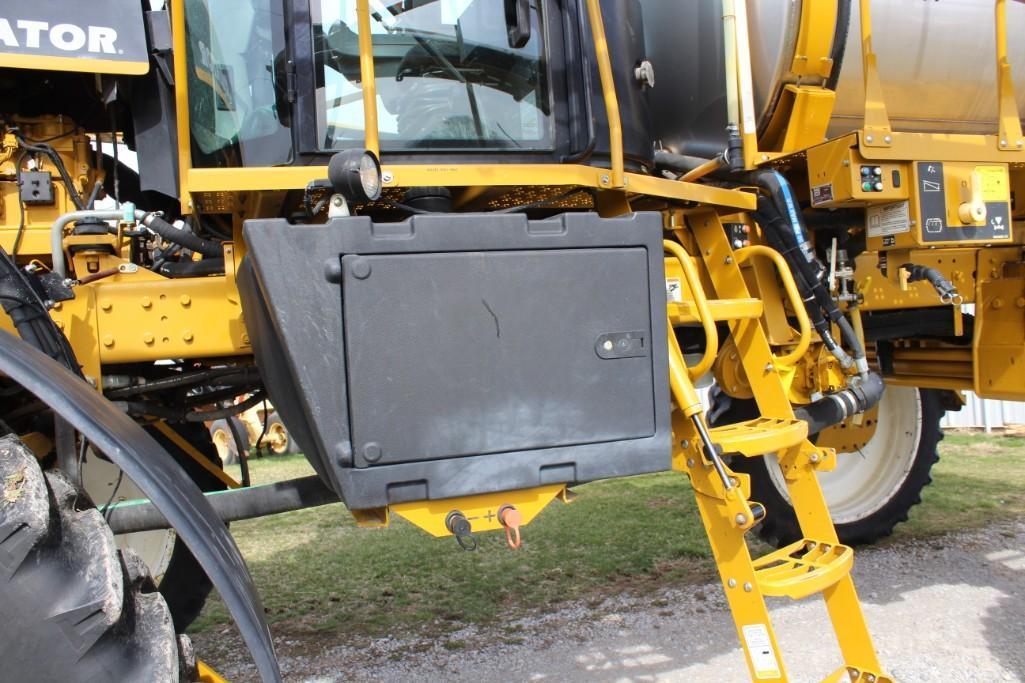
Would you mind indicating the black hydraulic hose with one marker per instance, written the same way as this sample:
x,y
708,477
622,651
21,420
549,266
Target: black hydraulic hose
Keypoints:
x,y
231,505
186,239
208,266
185,379
784,226
944,287
178,415
837,407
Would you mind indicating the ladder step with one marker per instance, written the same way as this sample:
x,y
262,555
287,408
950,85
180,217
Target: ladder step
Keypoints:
x,y
803,568
759,436
850,674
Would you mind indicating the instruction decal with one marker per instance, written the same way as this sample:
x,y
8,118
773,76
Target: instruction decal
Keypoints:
x,y
760,650
932,202
888,219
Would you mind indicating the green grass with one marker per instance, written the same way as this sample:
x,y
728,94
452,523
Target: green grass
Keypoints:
x,y
318,573
979,479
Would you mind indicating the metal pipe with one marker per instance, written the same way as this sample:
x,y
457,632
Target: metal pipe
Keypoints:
x,y
729,32
181,102
704,169
57,232
132,516
608,90
366,74
748,124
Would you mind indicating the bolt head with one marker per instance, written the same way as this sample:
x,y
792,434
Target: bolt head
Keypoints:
x,y
887,139
372,452
814,457
146,302
185,299
741,519
732,583
148,338
868,138
187,336
361,269
387,177
108,340
748,587
607,345
690,462
685,443
605,179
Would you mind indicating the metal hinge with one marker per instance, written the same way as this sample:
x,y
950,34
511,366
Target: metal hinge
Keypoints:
x,y
290,88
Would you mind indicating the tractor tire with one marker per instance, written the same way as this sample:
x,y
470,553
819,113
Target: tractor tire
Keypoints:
x,y
277,438
870,491
224,440
72,606
184,583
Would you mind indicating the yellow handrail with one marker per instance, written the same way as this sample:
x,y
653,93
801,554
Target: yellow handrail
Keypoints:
x,y
608,91
366,74
690,274
803,324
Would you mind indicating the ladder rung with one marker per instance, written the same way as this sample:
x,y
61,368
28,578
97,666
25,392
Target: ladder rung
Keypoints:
x,y
721,310
803,568
760,436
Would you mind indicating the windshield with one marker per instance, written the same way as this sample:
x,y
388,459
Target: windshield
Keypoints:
x,y
446,76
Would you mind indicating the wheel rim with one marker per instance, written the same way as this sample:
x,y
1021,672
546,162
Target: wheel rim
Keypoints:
x,y
221,443
100,478
278,438
864,481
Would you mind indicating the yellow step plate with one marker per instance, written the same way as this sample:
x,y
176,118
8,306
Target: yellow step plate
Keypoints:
x,y
803,568
759,436
850,674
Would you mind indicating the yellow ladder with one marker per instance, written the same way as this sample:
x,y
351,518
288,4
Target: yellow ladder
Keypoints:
x,y
818,564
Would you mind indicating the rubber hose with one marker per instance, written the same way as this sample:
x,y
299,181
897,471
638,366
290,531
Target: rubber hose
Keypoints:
x,y
186,239
208,266
837,407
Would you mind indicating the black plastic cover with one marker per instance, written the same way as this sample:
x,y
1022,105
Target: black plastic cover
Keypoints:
x,y
454,355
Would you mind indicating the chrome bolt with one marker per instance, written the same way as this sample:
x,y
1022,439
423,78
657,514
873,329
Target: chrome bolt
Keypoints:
x,y
748,587
732,583
1003,143
685,444
814,457
387,177
887,139
728,260
604,179
337,200
607,345
868,138
690,462
741,519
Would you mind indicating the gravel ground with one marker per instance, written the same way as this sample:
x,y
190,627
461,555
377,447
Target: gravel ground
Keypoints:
x,y
946,609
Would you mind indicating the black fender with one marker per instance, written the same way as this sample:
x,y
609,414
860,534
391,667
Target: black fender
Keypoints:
x,y
155,472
